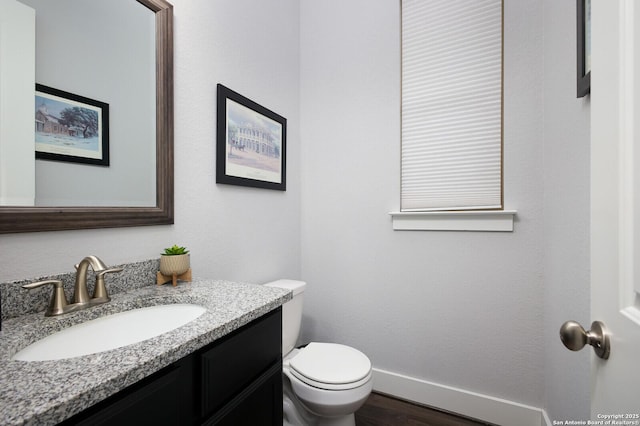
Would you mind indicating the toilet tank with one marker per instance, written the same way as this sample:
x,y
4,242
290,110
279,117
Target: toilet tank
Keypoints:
x,y
291,312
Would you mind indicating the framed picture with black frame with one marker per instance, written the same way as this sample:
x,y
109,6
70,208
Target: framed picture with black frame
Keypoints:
x,y
70,127
583,8
251,143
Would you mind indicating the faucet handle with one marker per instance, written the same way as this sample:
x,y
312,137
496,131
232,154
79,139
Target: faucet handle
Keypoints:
x,y
58,303
110,270
100,294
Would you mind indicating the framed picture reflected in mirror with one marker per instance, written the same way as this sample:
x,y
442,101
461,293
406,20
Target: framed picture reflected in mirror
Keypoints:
x,y
70,127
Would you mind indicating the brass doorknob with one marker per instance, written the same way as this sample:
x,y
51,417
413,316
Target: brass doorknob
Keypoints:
x,y
574,337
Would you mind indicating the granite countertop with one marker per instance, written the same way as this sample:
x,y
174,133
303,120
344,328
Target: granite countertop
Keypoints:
x,y
47,392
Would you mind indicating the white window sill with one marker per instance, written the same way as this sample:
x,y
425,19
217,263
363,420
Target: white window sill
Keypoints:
x,y
486,220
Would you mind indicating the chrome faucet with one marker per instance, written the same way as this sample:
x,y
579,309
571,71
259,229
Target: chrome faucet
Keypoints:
x,y
81,299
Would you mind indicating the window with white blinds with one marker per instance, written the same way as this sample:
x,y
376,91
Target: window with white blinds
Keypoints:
x,y
451,105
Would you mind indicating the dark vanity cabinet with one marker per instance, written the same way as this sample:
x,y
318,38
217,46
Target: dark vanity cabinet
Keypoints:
x,y
249,364
235,381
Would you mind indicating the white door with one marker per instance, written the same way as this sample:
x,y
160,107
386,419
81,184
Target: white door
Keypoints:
x,y
615,205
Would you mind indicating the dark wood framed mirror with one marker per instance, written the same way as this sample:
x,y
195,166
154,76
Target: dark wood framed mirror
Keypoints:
x,y
30,219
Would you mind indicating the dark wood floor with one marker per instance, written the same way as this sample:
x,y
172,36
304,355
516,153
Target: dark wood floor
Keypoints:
x,y
381,410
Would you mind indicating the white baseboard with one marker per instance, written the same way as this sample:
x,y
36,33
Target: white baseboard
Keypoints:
x,y
470,404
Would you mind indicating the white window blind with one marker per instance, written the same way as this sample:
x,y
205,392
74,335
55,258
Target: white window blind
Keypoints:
x,y
451,105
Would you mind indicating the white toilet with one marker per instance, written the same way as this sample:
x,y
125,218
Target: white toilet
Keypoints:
x,y
324,383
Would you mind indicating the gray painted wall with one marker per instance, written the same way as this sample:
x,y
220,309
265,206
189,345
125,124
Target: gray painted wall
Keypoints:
x,y
455,308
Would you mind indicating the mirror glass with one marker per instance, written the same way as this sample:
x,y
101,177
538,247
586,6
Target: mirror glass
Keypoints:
x,y
104,51
120,54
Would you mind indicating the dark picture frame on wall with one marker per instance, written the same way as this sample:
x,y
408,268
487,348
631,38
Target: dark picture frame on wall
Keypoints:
x,y
70,127
251,143
583,8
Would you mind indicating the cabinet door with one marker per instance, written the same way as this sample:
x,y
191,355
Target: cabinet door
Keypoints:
x,y
235,362
163,398
259,405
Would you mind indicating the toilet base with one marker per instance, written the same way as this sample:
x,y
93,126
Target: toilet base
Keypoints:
x,y
348,420
296,414
294,417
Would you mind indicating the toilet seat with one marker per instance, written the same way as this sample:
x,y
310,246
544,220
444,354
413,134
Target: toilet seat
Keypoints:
x,y
330,366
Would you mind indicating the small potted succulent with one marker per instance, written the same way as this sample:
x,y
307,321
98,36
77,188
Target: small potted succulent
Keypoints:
x,y
174,261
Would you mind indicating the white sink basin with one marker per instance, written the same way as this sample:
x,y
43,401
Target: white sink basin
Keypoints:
x,y
110,332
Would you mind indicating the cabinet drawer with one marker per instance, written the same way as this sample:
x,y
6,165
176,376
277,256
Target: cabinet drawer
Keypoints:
x,y
238,359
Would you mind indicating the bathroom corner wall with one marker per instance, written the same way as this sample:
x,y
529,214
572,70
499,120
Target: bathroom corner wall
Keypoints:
x,y
233,233
462,309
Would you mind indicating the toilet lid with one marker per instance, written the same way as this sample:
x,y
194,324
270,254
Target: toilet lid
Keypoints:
x,y
330,363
